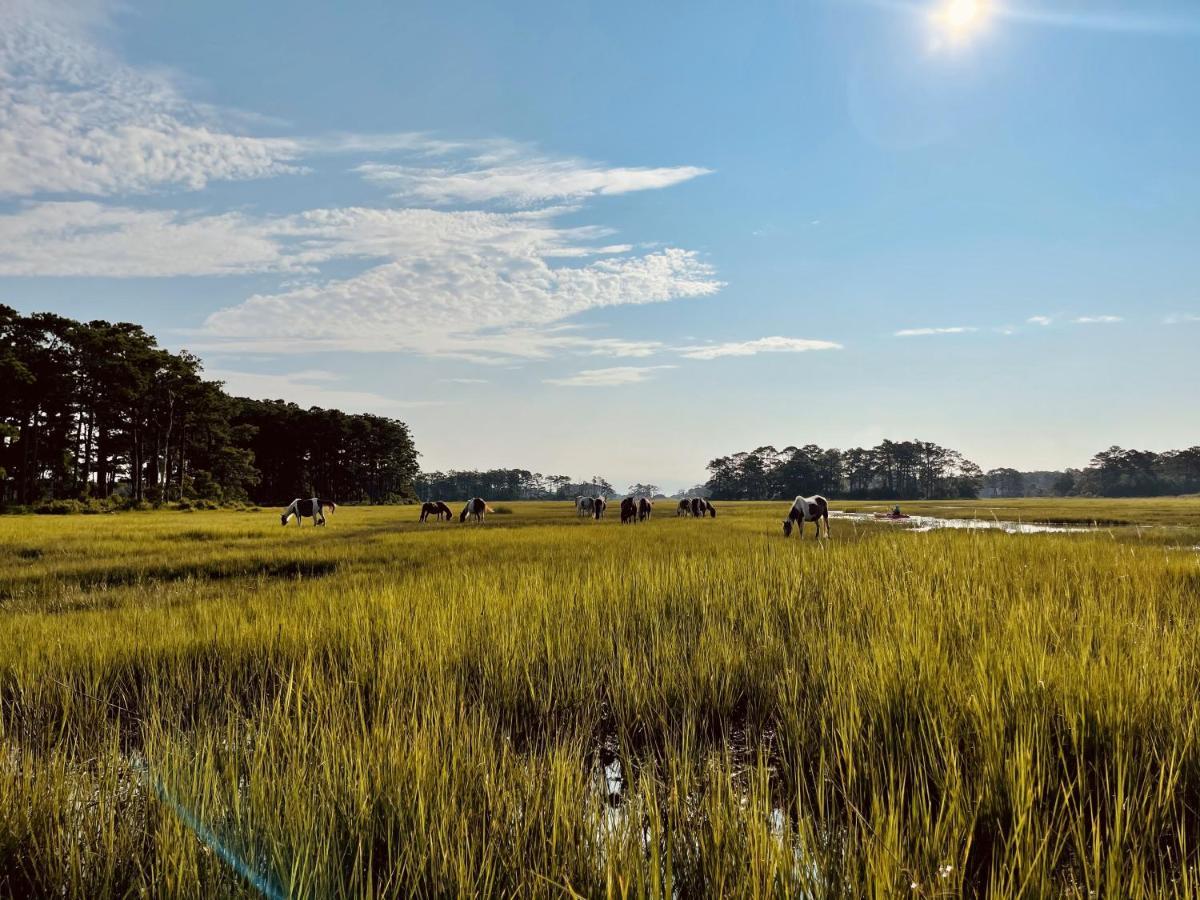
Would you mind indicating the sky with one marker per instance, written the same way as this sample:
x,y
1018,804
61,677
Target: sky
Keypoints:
x,y
622,239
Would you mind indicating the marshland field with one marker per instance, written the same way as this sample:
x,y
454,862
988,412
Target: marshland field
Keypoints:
x,y
206,704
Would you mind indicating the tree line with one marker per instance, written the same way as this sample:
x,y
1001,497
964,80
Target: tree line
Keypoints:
x,y
901,470
922,470
507,484
98,412
1115,472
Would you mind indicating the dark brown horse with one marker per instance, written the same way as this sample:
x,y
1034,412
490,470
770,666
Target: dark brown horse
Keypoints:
x,y
599,505
629,510
684,508
644,509
437,509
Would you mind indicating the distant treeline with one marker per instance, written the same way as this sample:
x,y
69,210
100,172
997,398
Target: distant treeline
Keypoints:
x,y
893,469
95,411
507,484
1115,472
921,470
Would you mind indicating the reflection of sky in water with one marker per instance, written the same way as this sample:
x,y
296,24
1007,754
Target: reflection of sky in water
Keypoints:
x,y
933,523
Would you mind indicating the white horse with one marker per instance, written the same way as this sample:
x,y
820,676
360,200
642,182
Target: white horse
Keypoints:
x,y
584,506
312,508
807,509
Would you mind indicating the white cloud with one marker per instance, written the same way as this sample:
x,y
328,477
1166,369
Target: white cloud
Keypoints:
x,y
921,332
1180,318
618,375
310,388
87,238
75,119
1097,320
762,345
474,283
514,176
466,284
465,380
1039,320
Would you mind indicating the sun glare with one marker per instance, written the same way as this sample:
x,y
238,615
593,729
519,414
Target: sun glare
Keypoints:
x,y
958,20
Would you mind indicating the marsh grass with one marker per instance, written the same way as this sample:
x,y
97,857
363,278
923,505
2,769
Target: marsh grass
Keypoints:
x,y
549,706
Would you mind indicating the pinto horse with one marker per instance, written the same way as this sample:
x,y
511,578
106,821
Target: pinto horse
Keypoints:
x,y
684,508
599,505
476,507
645,507
807,509
311,508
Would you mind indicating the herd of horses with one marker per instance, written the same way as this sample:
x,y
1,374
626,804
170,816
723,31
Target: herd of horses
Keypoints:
x,y
633,509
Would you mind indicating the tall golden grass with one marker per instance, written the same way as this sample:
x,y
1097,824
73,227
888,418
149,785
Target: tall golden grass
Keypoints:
x,y
199,705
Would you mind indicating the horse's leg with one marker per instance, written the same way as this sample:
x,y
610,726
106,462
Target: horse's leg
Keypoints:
x,y
826,517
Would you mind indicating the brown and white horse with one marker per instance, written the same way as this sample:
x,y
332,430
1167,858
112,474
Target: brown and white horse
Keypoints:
x,y
476,507
684,508
709,508
599,505
311,508
645,507
698,507
807,509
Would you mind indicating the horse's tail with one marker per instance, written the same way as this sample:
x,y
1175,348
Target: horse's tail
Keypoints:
x,y
332,506
487,508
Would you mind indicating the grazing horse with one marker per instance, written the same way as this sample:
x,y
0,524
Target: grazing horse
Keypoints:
x,y
311,508
599,505
584,506
476,507
698,507
684,508
807,509
438,510
709,508
644,509
629,510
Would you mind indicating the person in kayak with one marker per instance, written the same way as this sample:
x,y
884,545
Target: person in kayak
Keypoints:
x,y
896,514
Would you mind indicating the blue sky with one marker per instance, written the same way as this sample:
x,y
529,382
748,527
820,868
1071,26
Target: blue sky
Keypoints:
x,y
622,239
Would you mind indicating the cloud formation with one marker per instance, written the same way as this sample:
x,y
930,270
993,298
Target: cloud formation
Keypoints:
x,y
761,345
611,377
499,275
1097,320
311,387
921,332
75,119
509,174
1039,320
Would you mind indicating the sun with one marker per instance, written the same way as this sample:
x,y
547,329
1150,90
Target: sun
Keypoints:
x,y
958,20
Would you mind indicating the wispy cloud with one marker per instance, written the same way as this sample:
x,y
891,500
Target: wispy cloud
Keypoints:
x,y
761,345
1039,320
311,387
76,119
489,283
1097,320
921,332
516,176
612,377
1180,318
